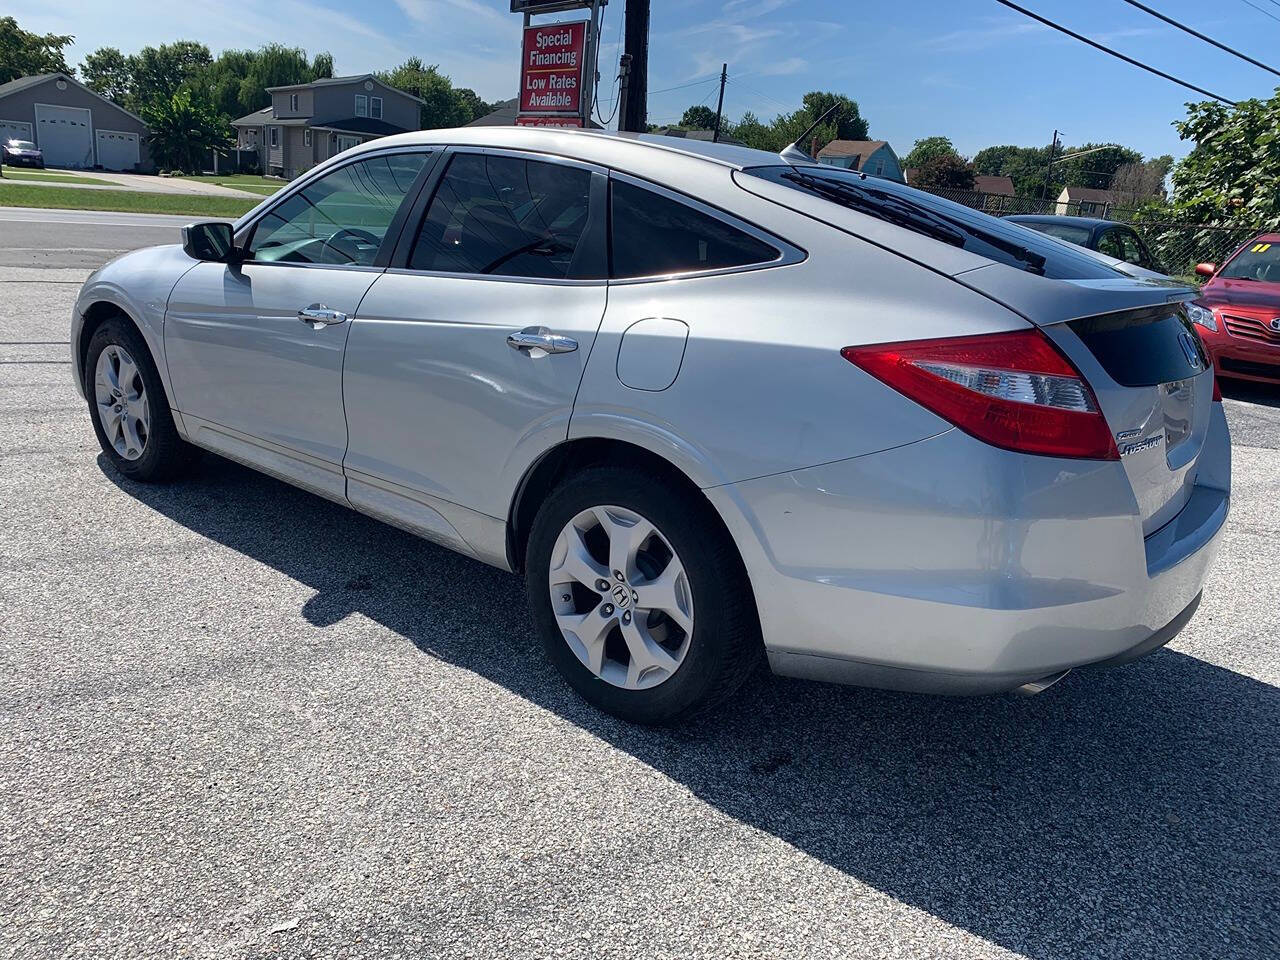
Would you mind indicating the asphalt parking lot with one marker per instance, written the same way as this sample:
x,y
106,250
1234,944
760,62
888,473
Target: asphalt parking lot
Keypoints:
x,y
240,721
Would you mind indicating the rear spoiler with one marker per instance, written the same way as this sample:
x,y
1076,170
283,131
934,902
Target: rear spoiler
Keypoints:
x,y
1045,301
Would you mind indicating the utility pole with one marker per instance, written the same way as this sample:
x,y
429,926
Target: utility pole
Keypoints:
x,y
1048,167
635,108
624,75
724,75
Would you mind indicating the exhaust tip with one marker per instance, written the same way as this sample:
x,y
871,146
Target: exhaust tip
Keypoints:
x,y
1032,687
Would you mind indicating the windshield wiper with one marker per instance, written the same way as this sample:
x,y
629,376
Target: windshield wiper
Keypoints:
x,y
856,198
915,216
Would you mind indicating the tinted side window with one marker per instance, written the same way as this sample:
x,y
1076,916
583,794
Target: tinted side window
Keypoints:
x,y
653,236
1110,244
505,216
342,218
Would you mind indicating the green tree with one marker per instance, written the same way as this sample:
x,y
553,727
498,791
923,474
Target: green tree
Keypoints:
x,y
109,72
755,134
846,124
160,72
1230,177
183,128
943,171
276,65
699,117
1094,169
478,107
322,66
24,54
442,106
927,149
1024,165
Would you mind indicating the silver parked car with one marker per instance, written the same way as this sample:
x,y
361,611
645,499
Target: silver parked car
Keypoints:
x,y
712,403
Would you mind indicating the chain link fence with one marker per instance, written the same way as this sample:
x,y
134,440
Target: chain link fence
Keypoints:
x,y
1178,246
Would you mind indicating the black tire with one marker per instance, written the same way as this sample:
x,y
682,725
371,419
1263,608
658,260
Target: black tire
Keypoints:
x,y
165,455
725,644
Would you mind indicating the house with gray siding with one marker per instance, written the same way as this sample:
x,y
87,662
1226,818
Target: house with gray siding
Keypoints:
x,y
73,126
310,122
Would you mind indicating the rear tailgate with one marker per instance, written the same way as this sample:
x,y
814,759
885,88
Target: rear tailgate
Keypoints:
x,y
1152,378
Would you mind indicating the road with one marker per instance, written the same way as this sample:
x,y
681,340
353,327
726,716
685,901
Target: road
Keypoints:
x,y
78,238
240,721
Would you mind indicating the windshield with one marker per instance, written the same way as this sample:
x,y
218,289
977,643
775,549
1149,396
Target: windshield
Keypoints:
x,y
22,144
976,232
1063,231
1258,261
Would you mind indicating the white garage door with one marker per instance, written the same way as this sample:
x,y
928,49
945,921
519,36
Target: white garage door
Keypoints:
x,y
64,135
117,150
15,130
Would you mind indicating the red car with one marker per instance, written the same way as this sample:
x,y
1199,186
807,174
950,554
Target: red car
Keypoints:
x,y
1238,311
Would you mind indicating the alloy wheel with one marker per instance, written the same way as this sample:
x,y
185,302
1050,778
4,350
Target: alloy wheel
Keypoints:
x,y
121,400
621,597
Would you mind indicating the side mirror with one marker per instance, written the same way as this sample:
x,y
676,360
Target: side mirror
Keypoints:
x,y
1206,269
210,240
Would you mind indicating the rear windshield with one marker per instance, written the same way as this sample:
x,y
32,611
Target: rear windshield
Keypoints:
x,y
998,240
1258,261
1063,231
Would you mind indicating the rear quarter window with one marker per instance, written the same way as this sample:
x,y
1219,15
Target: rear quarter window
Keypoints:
x,y
652,235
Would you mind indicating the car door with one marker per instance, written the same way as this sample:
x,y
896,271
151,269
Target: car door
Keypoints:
x,y
462,366
255,349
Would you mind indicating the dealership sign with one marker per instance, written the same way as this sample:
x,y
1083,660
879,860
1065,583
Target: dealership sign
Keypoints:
x,y
551,68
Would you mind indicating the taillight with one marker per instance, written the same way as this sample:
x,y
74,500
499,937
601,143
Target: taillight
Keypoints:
x,y
1012,390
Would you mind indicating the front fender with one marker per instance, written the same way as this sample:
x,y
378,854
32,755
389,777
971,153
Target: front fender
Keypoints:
x,y
138,285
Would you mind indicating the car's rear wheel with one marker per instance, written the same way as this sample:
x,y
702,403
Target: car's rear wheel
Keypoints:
x,y
640,596
130,412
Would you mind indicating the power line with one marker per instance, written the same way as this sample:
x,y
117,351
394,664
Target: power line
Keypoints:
x,y
1115,53
1265,13
681,86
1196,33
761,93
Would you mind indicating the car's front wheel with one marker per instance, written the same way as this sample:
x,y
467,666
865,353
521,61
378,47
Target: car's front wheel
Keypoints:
x,y
640,596
130,412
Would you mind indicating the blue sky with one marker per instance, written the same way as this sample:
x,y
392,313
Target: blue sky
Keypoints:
x,y
968,69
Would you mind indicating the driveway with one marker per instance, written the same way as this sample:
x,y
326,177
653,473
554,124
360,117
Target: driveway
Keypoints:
x,y
145,183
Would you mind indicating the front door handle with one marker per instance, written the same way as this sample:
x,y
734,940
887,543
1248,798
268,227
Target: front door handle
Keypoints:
x,y
539,341
318,315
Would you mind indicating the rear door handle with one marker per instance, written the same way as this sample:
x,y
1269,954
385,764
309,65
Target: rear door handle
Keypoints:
x,y
539,341
318,315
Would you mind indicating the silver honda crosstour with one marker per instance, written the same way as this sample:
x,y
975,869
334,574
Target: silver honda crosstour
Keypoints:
x,y
713,404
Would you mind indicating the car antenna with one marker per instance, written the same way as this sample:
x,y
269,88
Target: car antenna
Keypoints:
x,y
793,153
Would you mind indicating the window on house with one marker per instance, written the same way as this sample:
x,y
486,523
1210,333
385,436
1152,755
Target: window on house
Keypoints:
x,y
375,107
362,105
306,137
293,103
275,136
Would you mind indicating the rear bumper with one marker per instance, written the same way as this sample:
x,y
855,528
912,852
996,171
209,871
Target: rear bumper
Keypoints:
x,y
950,566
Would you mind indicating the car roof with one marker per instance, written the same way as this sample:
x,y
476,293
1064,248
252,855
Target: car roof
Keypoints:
x,y
1090,222
587,144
